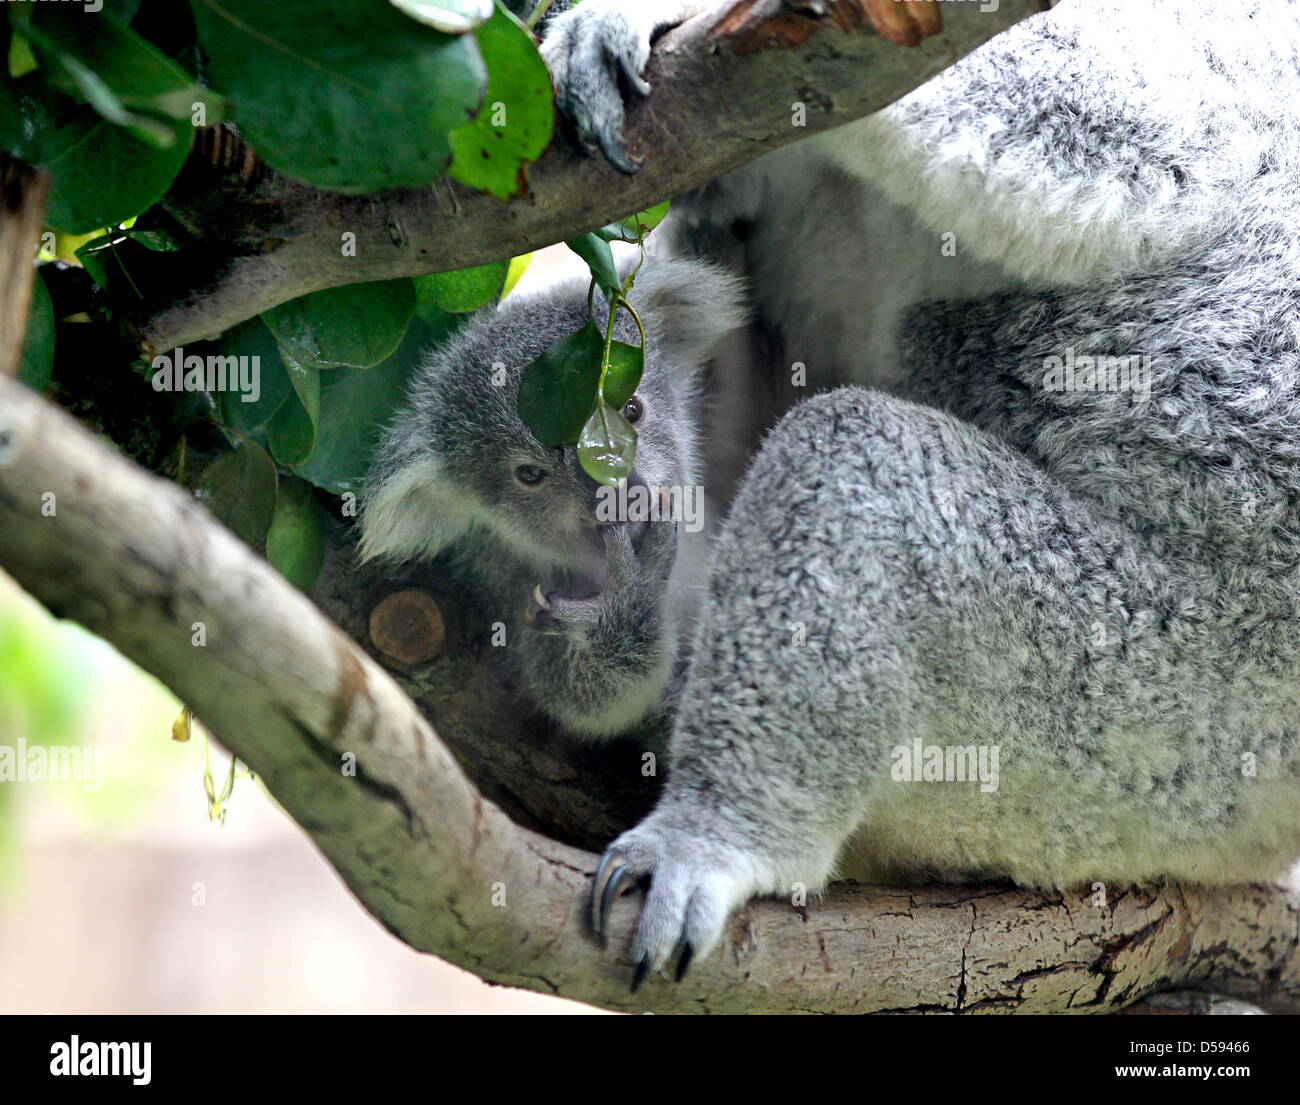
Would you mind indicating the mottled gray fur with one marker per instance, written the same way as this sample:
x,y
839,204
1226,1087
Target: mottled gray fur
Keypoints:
x,y
1103,584
599,650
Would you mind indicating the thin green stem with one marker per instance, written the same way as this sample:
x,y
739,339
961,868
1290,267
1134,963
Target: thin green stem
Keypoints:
x,y
112,245
604,359
635,318
538,13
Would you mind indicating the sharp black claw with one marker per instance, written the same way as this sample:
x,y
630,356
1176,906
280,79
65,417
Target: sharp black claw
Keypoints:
x,y
684,963
642,969
632,80
623,878
612,878
603,874
616,155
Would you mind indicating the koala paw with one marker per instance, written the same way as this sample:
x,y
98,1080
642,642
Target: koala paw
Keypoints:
x,y
647,557
694,887
553,612
594,53
637,568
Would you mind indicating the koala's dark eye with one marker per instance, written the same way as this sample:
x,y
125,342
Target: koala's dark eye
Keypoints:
x,y
530,474
633,409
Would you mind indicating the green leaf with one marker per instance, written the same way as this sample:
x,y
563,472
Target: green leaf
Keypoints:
x,y
607,446
291,432
354,406
21,59
518,114
453,16
645,221
357,325
36,369
128,80
631,228
462,290
295,545
105,176
94,264
440,324
558,391
626,363
343,94
239,488
159,241
289,401
600,259
124,9
253,339
102,244
101,174
28,108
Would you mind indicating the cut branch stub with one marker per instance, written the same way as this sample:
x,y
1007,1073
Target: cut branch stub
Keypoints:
x,y
754,25
902,24
408,627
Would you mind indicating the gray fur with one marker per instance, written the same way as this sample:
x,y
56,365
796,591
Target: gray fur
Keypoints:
x,y
592,54
600,656
1105,585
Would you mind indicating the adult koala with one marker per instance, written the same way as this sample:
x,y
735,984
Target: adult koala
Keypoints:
x,y
1070,535
1065,153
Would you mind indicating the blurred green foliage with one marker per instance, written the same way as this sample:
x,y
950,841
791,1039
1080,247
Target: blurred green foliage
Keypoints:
x,y
59,685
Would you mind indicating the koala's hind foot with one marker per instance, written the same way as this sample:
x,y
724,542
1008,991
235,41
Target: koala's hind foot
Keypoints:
x,y
692,890
598,51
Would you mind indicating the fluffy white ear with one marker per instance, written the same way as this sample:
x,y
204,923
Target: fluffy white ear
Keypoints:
x,y
689,307
414,515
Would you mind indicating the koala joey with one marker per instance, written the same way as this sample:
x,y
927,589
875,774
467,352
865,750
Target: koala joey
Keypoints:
x,y
1057,550
593,605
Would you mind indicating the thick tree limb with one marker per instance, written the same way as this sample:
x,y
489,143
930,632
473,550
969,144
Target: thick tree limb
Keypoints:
x,y
724,94
137,561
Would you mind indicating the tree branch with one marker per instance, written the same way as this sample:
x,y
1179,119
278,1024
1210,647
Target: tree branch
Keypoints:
x,y
725,85
24,193
136,560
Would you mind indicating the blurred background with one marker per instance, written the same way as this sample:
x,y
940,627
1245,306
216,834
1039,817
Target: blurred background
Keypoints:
x,y
130,899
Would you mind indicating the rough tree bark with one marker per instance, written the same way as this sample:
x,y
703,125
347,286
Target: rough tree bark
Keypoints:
x,y
137,561
725,87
